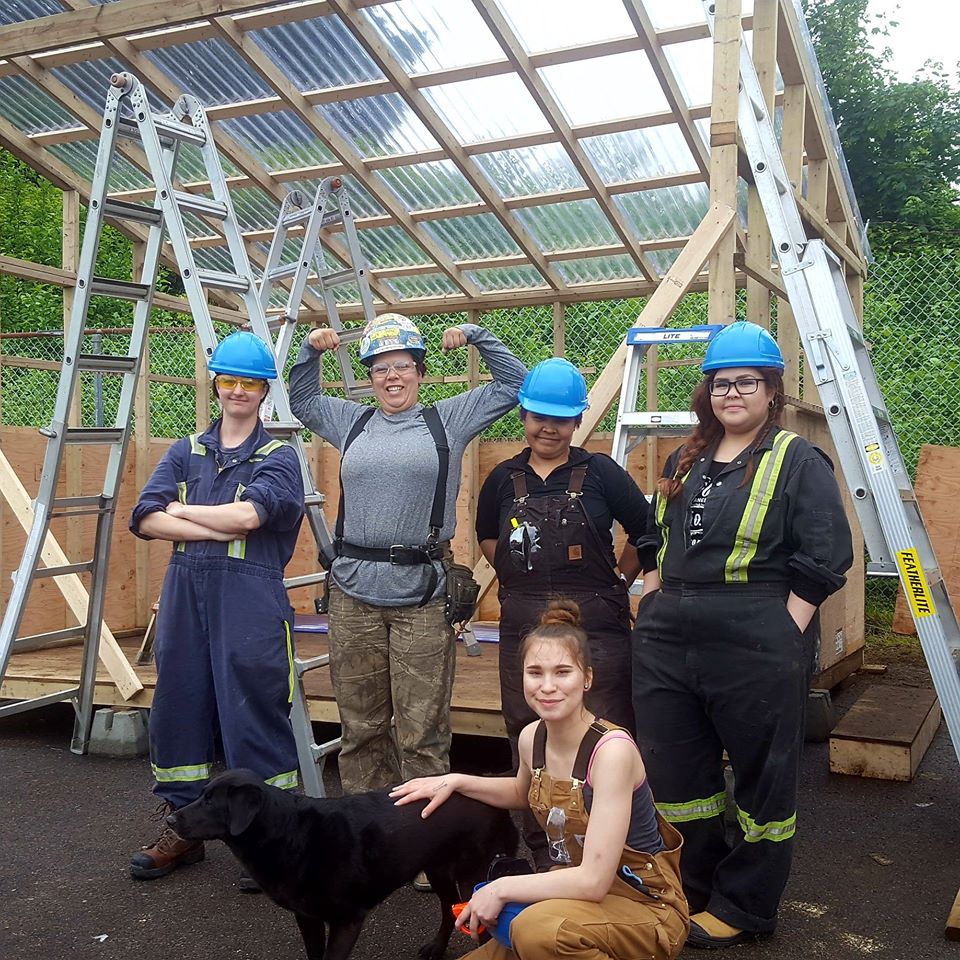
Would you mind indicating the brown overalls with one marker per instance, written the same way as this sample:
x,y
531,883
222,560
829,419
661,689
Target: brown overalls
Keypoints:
x,y
626,924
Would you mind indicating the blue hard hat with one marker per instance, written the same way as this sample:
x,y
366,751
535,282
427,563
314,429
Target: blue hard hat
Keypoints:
x,y
244,354
742,344
391,331
554,388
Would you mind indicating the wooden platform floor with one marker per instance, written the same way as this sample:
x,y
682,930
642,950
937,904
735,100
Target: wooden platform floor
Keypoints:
x,y
476,690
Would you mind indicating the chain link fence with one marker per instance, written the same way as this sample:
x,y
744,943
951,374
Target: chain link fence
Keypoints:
x,y
911,318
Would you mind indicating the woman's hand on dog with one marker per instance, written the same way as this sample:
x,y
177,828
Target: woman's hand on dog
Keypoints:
x,y
482,910
432,789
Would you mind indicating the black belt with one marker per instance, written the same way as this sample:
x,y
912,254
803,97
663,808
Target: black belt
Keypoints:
x,y
397,554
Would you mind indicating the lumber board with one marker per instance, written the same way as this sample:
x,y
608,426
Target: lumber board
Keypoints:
x,y
952,929
885,734
70,586
938,495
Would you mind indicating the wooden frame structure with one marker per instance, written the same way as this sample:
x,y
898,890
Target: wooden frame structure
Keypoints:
x,y
44,55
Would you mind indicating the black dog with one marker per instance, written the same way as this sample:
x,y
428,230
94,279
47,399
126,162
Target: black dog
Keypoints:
x,y
331,861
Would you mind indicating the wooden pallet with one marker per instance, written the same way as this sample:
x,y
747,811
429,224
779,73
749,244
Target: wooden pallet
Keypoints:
x,y
885,733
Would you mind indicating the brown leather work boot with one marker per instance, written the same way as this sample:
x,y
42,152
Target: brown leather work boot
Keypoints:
x,y
166,853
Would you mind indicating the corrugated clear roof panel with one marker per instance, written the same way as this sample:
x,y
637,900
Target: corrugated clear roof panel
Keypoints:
x,y
680,13
473,238
568,23
530,170
667,212
213,258
427,185
692,64
663,260
638,154
379,126
190,165
487,108
361,201
568,226
90,81
317,53
427,285
198,68
427,35
390,247
81,157
507,278
606,88
598,269
279,140
255,210
31,110
16,11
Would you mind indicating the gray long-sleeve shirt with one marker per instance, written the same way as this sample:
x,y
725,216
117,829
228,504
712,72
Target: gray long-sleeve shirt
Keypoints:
x,y
390,470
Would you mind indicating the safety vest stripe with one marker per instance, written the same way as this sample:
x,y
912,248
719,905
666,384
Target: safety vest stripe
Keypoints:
x,y
268,448
182,497
775,831
758,502
196,447
238,548
285,781
185,774
290,666
694,809
664,529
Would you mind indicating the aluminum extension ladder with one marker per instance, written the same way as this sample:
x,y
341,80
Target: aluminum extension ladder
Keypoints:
x,y
838,361
161,138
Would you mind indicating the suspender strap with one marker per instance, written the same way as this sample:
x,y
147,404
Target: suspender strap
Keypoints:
x,y
577,475
519,485
587,745
355,432
432,419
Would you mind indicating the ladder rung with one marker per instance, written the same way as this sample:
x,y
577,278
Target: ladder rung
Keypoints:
x,y
284,270
881,414
65,569
882,569
166,130
135,212
338,278
120,289
908,495
354,392
103,363
311,663
21,706
298,216
307,580
58,638
321,750
283,429
91,500
103,435
662,418
223,281
352,335
856,334
314,500
204,206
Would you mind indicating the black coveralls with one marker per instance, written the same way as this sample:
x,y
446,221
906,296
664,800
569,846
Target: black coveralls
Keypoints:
x,y
719,663
547,547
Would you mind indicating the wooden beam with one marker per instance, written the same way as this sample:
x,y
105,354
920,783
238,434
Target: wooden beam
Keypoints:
x,y
680,279
255,57
111,20
69,585
505,35
722,305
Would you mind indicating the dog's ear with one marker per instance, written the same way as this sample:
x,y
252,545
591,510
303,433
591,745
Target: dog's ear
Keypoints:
x,y
244,805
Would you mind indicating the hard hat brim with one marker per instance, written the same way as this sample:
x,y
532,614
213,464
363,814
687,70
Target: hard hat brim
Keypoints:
x,y
546,409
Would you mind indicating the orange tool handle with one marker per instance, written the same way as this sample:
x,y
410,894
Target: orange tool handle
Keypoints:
x,y
457,909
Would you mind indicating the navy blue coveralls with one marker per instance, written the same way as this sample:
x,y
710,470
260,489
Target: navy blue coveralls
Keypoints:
x,y
720,664
223,642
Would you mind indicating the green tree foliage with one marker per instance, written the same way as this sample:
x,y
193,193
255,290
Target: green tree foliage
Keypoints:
x,y
901,140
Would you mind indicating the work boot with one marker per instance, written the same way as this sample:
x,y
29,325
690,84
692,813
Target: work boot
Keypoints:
x,y
166,853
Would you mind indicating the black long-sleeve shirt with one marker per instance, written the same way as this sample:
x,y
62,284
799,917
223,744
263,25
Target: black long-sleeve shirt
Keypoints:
x,y
798,534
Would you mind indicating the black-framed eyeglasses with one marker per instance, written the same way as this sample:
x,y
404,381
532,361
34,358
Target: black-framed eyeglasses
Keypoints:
x,y
743,385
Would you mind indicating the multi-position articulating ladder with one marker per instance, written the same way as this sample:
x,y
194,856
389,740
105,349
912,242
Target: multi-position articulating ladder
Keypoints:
x,y
838,361
162,136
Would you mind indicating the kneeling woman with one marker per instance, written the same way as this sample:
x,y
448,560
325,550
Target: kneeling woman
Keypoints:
x,y
618,894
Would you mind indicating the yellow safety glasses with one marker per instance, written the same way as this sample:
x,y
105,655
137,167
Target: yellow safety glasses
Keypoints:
x,y
247,384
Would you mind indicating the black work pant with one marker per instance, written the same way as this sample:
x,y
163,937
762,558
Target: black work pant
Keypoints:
x,y
719,670
606,620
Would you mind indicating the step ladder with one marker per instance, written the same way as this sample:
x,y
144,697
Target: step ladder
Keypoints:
x,y
161,136
838,361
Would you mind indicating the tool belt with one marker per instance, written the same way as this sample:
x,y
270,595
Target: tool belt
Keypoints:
x,y
397,554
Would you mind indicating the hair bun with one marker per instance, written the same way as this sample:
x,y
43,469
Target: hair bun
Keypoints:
x,y
563,612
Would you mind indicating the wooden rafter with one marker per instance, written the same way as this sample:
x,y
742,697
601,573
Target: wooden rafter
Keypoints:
x,y
440,130
228,146
342,149
510,43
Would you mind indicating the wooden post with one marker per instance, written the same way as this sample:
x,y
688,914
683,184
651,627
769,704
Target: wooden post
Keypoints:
x,y
758,232
559,330
73,455
723,154
141,438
